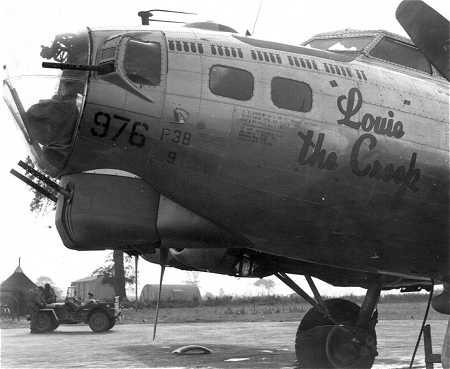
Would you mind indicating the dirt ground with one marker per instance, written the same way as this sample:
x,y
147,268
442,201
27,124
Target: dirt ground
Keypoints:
x,y
234,344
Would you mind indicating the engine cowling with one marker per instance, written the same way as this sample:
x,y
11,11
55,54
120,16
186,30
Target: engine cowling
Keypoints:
x,y
119,212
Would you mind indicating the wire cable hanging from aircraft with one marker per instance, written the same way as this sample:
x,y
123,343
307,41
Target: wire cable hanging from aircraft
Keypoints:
x,y
425,317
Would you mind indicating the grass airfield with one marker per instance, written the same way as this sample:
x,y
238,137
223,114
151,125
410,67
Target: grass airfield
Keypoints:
x,y
234,345
244,333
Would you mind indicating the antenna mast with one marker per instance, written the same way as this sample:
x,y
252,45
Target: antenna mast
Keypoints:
x,y
145,16
257,15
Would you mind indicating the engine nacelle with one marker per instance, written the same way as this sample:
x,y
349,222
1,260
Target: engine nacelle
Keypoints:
x,y
235,262
116,212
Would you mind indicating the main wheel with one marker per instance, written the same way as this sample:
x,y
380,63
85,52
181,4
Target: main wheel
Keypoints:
x,y
99,321
322,344
42,322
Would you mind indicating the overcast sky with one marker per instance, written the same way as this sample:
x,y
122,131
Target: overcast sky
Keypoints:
x,y
24,23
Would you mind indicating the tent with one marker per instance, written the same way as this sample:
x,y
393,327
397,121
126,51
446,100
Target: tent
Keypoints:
x,y
14,291
170,292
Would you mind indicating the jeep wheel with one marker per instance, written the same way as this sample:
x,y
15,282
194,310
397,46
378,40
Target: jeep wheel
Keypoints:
x,y
112,323
43,322
99,321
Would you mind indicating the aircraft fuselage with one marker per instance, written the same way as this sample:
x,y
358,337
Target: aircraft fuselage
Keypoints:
x,y
357,177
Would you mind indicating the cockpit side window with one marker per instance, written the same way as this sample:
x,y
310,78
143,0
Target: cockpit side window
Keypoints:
x,y
401,53
341,44
142,62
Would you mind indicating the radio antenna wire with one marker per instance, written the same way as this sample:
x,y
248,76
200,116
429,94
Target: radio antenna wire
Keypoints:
x,y
257,15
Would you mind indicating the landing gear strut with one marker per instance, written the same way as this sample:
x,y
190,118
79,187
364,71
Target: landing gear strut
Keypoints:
x,y
336,333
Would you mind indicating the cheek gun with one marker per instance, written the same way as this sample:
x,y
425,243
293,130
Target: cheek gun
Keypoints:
x,y
101,69
50,189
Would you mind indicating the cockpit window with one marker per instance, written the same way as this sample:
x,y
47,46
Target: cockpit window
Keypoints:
x,y
341,44
142,62
401,53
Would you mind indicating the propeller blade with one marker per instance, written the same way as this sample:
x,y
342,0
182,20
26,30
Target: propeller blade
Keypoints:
x,y
163,256
429,30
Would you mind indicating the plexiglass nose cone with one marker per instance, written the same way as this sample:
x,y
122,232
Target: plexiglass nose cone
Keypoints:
x,y
47,106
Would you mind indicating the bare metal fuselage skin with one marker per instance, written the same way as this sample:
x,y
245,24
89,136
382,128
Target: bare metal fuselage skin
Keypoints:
x,y
333,186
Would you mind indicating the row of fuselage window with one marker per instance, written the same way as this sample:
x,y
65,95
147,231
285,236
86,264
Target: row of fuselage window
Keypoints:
x,y
238,84
263,56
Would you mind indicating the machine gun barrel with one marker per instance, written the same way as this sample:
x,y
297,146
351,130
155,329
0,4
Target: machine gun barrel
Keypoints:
x,y
103,69
43,178
35,186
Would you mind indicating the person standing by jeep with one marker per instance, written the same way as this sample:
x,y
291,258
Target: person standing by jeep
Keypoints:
x,y
35,302
49,294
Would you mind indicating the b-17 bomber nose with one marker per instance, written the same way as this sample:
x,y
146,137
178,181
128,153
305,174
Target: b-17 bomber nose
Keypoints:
x,y
48,105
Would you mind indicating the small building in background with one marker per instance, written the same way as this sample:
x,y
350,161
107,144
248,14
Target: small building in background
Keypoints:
x,y
98,285
14,292
170,293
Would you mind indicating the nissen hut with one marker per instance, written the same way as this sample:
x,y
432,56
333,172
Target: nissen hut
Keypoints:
x,y
170,293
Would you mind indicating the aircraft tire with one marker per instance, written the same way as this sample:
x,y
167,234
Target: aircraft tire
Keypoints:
x,y
321,344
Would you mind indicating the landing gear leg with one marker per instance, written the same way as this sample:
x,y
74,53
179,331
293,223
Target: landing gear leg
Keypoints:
x,y
336,333
354,345
368,310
